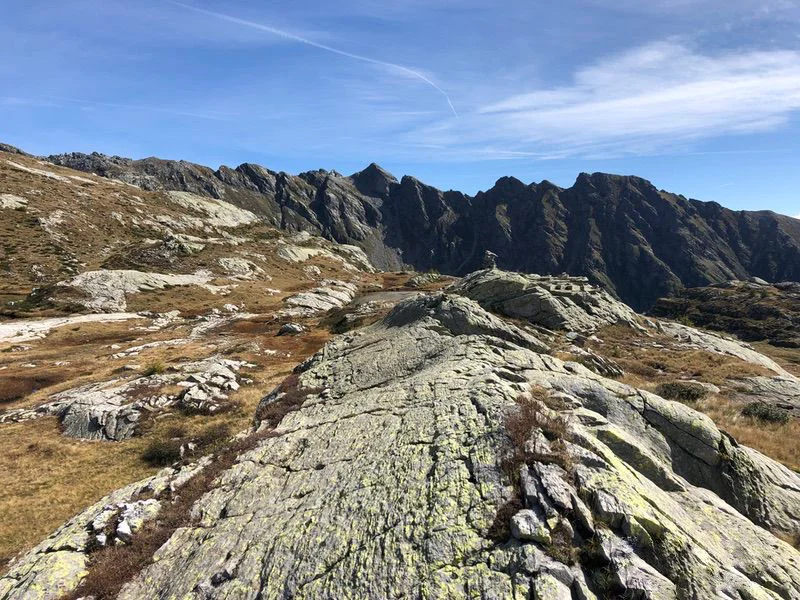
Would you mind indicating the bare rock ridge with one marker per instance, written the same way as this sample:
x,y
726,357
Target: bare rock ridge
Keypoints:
x,y
638,242
399,475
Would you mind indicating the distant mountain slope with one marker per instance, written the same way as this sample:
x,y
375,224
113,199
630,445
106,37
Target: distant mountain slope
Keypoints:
x,y
752,311
620,231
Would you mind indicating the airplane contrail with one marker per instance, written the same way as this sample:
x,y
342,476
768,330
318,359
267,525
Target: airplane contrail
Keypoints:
x,y
307,42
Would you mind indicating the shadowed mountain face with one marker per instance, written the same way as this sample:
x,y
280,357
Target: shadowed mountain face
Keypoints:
x,y
621,232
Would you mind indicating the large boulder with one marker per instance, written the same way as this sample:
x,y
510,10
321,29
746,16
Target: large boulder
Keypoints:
x,y
567,303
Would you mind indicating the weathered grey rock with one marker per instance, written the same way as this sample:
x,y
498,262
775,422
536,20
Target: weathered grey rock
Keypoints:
x,y
12,202
597,363
387,480
107,290
527,526
57,565
291,329
241,268
781,391
460,317
330,294
569,303
423,279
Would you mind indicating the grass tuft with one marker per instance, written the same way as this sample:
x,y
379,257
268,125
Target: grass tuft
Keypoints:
x,y
154,368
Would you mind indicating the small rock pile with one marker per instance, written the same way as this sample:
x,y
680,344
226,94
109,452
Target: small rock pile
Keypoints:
x,y
112,410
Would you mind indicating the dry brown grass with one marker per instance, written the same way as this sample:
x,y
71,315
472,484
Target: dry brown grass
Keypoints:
x,y
13,388
636,355
788,358
780,441
47,478
648,368
292,396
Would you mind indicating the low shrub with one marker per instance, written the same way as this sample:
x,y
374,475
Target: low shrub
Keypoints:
x,y
688,393
536,411
561,546
766,413
163,452
154,368
288,397
500,529
213,435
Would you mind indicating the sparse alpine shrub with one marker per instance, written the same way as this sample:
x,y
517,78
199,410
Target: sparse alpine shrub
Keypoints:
x,y
154,368
688,393
766,413
536,411
163,452
289,396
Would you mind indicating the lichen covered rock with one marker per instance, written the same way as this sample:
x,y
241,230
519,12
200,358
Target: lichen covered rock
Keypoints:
x,y
391,480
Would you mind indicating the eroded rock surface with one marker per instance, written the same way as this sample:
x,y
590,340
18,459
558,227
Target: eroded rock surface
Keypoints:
x,y
112,410
330,294
107,290
569,303
388,479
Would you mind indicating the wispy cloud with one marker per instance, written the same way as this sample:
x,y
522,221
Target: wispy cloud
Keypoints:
x,y
61,102
654,96
302,40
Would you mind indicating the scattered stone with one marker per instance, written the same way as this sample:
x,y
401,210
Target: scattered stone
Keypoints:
x,y
527,526
12,202
291,329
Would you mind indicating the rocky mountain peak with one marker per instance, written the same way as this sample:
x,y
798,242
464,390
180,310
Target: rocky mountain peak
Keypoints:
x,y
509,185
642,244
373,181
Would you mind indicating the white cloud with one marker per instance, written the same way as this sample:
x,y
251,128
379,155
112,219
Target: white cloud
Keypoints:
x,y
797,216
654,96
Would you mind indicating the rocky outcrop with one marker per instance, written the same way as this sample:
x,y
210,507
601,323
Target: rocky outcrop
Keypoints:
x,y
390,480
112,410
330,294
107,290
57,565
691,337
12,202
639,242
781,392
556,303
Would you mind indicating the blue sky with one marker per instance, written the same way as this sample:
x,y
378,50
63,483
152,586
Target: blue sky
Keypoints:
x,y
702,97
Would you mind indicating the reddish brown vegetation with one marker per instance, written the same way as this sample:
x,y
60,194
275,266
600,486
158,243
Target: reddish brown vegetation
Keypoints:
x,y
113,566
289,397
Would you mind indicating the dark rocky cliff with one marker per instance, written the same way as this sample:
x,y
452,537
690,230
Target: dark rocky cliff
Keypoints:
x,y
640,242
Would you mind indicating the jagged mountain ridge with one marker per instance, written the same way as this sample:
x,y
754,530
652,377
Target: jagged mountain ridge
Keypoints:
x,y
639,242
